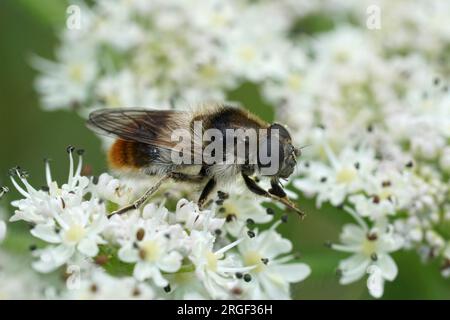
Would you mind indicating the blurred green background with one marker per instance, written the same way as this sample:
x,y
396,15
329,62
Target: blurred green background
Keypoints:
x,y
28,134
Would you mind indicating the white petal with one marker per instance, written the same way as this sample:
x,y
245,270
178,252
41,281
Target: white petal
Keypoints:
x,y
275,286
128,254
274,245
143,271
46,233
353,268
88,247
2,230
158,279
170,262
352,234
292,272
375,282
53,257
387,266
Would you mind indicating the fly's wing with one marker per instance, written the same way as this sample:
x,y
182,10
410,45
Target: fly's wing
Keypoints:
x,y
152,127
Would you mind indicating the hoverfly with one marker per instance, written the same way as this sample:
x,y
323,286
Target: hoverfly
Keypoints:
x,y
146,144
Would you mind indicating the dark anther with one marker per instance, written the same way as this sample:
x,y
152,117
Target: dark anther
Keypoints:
x,y
436,81
323,179
357,165
374,257
270,211
140,234
236,291
93,288
251,234
219,202
80,152
32,247
222,195
284,218
410,164
167,288
94,179
372,236
218,232
239,275
370,128
167,235
230,217
328,244
12,172
307,164
70,149
101,260
250,222
136,292
135,245
376,199
386,183
222,210
247,277
265,260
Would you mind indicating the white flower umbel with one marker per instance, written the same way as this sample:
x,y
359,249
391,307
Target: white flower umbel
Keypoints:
x,y
61,216
371,248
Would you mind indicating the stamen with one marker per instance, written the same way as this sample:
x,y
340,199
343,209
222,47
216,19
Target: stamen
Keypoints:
x,y
48,173
228,247
358,219
70,150
19,188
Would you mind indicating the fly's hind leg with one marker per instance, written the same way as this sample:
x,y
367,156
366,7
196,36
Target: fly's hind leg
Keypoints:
x,y
139,202
280,197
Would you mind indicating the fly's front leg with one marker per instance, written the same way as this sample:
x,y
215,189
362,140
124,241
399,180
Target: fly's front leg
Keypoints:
x,y
139,202
206,192
255,188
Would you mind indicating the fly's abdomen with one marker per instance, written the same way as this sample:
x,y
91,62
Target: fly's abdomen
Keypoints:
x,y
131,155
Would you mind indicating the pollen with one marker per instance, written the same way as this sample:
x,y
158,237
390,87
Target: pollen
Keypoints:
x,y
150,251
76,72
253,258
294,81
211,261
248,54
346,175
369,247
74,234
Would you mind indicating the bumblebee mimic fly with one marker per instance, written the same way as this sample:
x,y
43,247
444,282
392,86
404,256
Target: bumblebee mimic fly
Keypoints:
x,y
206,147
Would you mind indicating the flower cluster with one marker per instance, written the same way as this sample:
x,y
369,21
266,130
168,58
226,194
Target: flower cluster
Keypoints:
x,y
152,252
373,105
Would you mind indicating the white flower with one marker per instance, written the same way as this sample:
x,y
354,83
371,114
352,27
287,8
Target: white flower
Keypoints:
x,y
370,249
240,209
153,250
61,216
273,270
344,177
77,229
189,214
215,268
98,285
